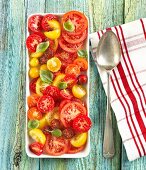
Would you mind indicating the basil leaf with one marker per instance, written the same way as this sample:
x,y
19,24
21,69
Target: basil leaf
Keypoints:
x,y
82,53
69,26
62,85
57,132
46,76
32,124
42,47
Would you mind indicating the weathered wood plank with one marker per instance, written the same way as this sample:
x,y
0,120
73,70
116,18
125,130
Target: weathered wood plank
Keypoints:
x,y
133,10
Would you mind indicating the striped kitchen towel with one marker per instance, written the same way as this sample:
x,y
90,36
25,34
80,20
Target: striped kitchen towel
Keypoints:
x,y
128,85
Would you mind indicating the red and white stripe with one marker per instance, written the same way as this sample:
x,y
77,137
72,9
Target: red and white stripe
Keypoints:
x,y
128,92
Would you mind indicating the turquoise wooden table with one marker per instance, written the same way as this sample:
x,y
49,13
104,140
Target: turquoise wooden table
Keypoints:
x,y
13,15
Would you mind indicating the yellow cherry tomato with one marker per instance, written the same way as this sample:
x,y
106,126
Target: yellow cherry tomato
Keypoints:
x,y
44,67
40,86
56,30
54,64
34,72
34,62
58,79
37,135
36,54
79,140
42,123
54,114
78,91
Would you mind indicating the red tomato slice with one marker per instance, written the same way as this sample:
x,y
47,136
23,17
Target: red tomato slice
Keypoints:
x,y
74,39
74,150
56,146
72,69
70,79
32,85
36,148
45,20
78,19
34,114
63,103
32,41
66,94
41,35
52,91
45,104
34,23
71,48
82,123
70,111
32,100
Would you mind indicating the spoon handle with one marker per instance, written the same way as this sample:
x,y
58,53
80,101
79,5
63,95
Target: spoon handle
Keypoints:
x,y
108,143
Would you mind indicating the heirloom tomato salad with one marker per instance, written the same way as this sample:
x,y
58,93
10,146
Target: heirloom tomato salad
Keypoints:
x,y
57,117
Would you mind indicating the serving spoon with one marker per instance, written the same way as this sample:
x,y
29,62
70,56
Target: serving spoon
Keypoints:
x,y
108,57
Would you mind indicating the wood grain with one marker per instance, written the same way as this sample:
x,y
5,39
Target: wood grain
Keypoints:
x,y
13,16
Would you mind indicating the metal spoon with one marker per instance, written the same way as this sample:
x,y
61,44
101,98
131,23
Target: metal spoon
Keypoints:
x,y
108,56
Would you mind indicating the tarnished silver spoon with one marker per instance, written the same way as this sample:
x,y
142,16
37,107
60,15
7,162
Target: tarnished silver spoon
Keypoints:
x,y
108,56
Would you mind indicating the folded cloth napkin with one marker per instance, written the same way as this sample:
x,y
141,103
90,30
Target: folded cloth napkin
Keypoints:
x,y
128,85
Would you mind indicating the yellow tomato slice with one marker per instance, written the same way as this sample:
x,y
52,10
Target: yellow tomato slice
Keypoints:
x,y
44,67
54,114
54,64
78,91
36,54
42,123
58,79
34,72
79,140
37,135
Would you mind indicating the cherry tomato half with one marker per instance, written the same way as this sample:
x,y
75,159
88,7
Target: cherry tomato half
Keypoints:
x,y
32,41
45,20
56,146
36,148
74,150
71,48
82,63
82,123
34,114
34,23
45,104
32,85
78,19
32,100
72,69
70,79
66,94
52,91
70,111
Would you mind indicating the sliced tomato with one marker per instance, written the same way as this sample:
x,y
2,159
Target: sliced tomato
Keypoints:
x,y
32,100
70,111
53,44
78,19
32,85
34,114
74,39
45,104
82,123
56,146
82,63
70,79
52,91
63,103
36,148
66,94
41,35
74,150
72,69
45,20
34,23
32,41
71,48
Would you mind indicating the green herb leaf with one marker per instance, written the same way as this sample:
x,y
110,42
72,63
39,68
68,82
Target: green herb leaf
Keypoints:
x,y
69,26
46,76
57,132
82,53
62,85
42,47
32,124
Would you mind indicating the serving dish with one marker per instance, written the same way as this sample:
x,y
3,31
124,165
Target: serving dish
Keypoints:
x,y
86,150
